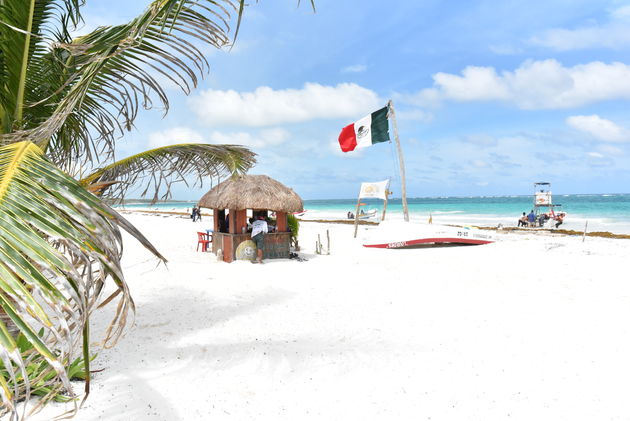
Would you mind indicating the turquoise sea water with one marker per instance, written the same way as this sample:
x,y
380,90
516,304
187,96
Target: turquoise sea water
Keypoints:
x,y
603,212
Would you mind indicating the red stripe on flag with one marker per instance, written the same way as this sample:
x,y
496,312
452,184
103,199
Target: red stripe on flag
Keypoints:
x,y
347,138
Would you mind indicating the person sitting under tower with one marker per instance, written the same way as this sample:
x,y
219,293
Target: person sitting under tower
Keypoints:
x,y
559,219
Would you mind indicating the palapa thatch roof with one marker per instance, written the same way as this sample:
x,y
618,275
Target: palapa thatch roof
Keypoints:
x,y
252,192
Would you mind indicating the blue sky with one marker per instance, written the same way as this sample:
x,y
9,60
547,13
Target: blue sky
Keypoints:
x,y
490,96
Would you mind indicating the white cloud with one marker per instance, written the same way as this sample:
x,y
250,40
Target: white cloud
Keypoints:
x,y
613,34
545,84
622,13
596,159
475,83
268,107
611,150
599,128
263,139
356,68
174,136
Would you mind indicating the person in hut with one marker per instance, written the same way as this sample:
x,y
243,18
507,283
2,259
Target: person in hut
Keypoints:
x,y
259,229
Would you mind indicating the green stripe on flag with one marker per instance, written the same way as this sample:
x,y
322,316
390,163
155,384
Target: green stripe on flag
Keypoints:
x,y
380,126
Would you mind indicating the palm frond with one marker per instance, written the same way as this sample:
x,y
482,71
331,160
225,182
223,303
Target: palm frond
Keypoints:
x,y
157,169
27,28
102,79
58,246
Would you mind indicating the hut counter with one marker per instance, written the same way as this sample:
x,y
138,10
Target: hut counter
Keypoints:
x,y
235,246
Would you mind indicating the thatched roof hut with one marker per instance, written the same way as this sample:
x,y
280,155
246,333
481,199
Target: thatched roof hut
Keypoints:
x,y
252,192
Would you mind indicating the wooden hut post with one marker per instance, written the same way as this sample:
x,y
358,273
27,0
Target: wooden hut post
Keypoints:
x,y
241,221
234,229
215,217
281,222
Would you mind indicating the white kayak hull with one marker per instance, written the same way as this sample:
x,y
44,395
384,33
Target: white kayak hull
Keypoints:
x,y
394,235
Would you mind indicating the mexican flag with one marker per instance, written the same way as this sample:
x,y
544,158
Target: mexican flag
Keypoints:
x,y
369,130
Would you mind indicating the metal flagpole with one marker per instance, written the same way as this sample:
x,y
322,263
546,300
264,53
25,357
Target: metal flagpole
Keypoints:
x,y
403,187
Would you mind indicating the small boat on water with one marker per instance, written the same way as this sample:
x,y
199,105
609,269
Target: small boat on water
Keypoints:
x,y
400,234
369,214
363,214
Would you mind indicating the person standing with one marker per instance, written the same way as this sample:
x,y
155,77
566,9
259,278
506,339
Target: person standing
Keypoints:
x,y
531,218
259,229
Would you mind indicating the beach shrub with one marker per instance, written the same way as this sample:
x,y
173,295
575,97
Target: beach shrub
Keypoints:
x,y
294,226
42,375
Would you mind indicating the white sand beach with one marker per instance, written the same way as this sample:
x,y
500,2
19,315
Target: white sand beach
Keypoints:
x,y
532,327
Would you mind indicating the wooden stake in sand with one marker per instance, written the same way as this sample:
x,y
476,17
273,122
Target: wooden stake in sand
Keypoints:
x,y
327,242
584,235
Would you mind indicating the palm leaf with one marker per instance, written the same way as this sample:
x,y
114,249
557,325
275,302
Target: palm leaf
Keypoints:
x,y
58,246
157,169
98,82
83,94
65,102
27,28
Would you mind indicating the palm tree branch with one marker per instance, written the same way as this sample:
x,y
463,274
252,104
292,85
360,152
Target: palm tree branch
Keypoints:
x,y
155,38
58,246
26,32
170,164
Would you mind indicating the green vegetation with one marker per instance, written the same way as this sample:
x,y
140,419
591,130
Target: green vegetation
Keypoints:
x,y
42,376
294,226
63,105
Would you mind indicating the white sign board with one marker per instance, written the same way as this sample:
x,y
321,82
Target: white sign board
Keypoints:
x,y
377,190
543,198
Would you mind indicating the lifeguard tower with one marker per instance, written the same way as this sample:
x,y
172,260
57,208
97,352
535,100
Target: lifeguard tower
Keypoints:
x,y
543,202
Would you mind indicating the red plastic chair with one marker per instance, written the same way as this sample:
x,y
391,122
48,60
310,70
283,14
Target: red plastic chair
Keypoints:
x,y
203,239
